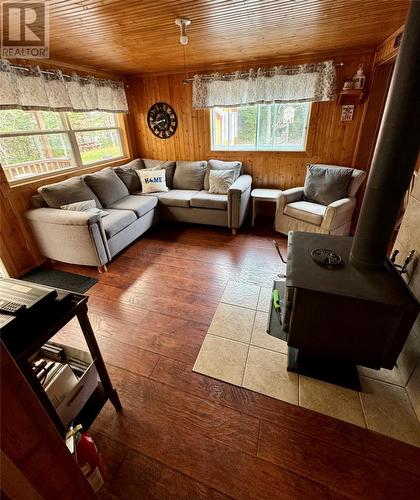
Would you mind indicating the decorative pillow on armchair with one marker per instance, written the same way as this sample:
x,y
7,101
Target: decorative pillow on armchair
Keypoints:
x,y
152,181
324,185
221,180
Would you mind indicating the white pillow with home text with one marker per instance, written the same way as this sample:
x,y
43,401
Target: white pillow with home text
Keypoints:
x,y
152,181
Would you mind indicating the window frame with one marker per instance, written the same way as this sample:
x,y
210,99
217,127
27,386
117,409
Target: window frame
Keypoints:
x,y
255,148
70,132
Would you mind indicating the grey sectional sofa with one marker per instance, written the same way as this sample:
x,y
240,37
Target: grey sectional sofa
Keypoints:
x,y
86,238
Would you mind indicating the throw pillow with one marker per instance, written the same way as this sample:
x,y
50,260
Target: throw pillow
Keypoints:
x,y
79,206
85,206
127,173
168,165
69,191
152,181
107,186
221,165
221,180
324,185
189,175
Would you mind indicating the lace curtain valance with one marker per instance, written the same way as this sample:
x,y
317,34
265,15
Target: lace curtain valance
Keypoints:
x,y
303,83
36,90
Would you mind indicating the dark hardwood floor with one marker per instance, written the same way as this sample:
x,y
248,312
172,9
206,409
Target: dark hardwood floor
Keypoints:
x,y
185,435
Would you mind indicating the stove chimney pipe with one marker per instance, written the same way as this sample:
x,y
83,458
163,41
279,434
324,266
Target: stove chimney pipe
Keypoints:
x,y
395,153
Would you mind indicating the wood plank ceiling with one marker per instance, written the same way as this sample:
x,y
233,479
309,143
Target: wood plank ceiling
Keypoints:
x,y
140,37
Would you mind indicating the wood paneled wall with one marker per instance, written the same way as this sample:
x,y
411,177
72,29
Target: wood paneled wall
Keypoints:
x,y
387,51
329,139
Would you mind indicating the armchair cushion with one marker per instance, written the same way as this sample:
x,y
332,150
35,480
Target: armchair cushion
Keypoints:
x,y
306,211
325,184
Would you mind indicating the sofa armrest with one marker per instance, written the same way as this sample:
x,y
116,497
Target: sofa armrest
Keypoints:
x,y
338,212
239,195
58,216
242,183
69,236
286,197
291,195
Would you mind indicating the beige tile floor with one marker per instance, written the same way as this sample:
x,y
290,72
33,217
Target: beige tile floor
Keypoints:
x,y
238,350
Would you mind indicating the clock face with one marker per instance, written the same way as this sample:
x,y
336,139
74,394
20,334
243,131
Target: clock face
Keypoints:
x,y
162,120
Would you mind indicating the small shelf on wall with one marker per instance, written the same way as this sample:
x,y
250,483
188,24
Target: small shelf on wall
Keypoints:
x,y
351,96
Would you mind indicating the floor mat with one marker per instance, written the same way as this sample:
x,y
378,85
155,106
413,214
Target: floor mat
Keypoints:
x,y
60,279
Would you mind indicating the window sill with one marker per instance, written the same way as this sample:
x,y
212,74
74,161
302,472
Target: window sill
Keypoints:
x,y
51,177
283,151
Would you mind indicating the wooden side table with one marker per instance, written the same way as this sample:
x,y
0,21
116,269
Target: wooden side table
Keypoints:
x,y
263,195
26,336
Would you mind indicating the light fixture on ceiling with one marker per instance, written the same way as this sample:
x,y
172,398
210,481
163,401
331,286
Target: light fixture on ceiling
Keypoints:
x,y
183,23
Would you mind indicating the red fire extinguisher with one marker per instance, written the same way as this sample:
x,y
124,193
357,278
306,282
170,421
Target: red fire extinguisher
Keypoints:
x,y
88,457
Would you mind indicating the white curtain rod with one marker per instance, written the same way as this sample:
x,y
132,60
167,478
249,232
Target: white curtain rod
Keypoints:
x,y
50,72
266,72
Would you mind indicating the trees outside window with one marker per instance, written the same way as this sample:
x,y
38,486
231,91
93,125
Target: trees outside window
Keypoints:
x,y
34,143
260,127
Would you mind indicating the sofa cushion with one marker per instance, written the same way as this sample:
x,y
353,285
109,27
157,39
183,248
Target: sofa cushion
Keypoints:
x,y
156,195
127,173
221,180
107,186
190,175
221,165
168,165
140,205
306,211
117,220
65,192
177,197
325,184
153,181
204,199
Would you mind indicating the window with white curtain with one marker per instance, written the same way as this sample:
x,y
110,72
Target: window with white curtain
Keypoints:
x,y
260,127
37,143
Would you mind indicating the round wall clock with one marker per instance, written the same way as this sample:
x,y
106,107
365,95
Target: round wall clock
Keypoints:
x,y
162,120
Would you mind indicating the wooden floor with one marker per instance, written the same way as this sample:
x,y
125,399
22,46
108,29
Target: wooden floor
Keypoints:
x,y
184,435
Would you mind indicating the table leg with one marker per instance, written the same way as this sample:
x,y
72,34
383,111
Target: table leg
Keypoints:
x,y
254,206
97,356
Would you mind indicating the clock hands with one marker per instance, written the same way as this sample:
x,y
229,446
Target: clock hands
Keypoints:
x,y
162,120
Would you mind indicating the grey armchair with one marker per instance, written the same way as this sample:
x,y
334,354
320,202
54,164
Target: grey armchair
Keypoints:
x,y
294,213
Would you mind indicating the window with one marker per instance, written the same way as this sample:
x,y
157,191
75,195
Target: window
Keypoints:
x,y
260,127
34,143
